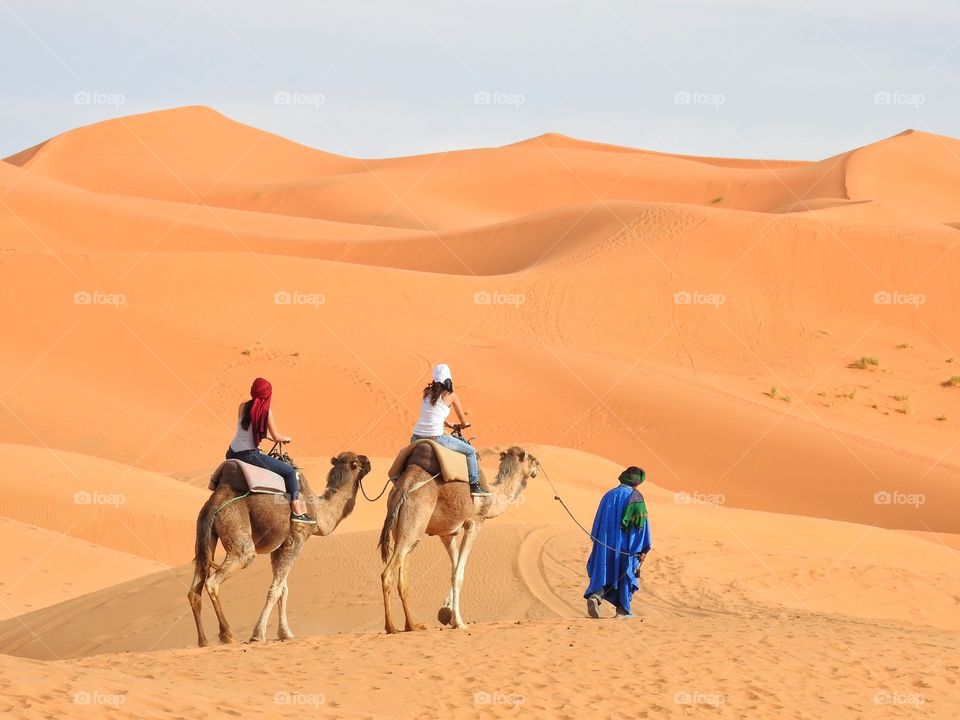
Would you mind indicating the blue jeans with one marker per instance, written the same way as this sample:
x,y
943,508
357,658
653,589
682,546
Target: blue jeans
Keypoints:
x,y
261,459
464,448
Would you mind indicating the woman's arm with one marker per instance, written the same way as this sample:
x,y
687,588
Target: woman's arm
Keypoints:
x,y
453,400
273,433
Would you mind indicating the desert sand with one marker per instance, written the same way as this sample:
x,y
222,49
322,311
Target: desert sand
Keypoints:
x,y
774,341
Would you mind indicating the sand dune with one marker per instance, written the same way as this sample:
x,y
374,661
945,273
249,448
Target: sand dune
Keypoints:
x,y
44,568
708,558
603,305
139,513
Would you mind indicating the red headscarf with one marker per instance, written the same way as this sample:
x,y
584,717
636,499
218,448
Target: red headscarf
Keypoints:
x,y
261,391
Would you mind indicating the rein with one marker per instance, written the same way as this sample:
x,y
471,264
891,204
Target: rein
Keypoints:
x,y
556,496
370,499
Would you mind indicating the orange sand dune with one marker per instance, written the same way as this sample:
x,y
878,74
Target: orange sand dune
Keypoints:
x,y
115,506
734,605
44,568
231,165
707,557
775,342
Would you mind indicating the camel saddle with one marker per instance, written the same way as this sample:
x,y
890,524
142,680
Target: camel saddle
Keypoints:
x,y
453,465
257,479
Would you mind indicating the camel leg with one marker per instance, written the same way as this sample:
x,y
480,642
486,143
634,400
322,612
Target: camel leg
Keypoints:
x,y
282,560
388,579
402,586
470,532
284,633
445,613
195,596
235,560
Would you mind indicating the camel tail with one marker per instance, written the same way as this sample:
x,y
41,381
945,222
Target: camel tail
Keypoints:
x,y
206,542
394,502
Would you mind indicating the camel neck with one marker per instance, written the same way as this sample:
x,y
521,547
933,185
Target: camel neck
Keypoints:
x,y
505,492
332,507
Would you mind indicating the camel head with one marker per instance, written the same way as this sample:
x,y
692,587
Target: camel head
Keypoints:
x,y
348,468
516,459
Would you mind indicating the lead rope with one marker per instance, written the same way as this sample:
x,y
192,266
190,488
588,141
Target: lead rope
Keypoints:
x,y
364,491
556,496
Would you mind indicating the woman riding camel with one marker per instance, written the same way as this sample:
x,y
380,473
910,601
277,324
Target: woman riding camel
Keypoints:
x,y
438,399
254,423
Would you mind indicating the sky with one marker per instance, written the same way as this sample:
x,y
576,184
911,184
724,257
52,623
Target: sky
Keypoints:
x,y
736,78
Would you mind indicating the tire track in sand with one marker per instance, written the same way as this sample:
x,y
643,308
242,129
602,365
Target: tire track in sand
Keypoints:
x,y
531,569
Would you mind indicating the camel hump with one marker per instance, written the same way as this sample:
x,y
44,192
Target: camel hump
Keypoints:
x,y
247,478
451,465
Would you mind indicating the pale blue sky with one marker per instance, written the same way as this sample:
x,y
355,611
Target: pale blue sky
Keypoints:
x,y
758,78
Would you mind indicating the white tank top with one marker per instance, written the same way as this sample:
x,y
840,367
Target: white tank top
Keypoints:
x,y
431,419
243,440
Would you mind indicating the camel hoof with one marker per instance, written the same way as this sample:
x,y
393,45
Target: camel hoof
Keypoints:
x,y
203,643
390,630
445,616
416,626
227,639
256,638
286,636
461,626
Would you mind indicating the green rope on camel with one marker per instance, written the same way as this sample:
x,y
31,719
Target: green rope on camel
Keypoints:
x,y
238,497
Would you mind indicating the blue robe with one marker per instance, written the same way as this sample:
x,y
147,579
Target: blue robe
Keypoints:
x,y
613,576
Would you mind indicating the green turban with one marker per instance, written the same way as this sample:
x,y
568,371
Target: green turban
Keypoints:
x,y
632,476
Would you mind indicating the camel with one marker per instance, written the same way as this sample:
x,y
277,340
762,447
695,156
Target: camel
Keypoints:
x,y
258,524
419,504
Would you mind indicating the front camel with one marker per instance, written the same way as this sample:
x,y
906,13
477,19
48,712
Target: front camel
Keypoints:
x,y
420,504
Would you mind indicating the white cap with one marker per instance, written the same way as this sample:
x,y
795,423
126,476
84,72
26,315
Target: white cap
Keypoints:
x,y
441,373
